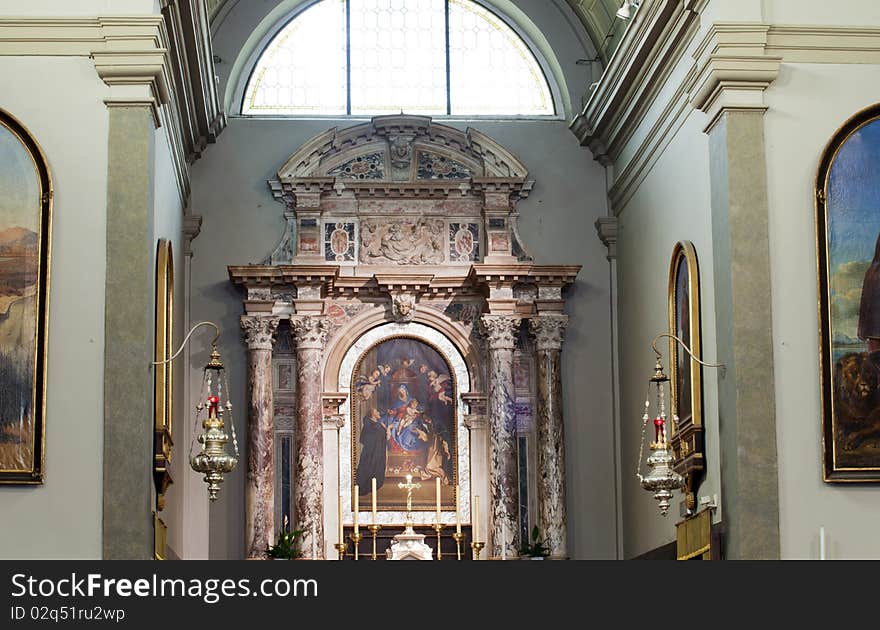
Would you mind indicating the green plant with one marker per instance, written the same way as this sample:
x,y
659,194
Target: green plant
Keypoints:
x,y
287,547
537,548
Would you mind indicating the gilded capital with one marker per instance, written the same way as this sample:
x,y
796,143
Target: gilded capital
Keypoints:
x,y
500,331
549,331
309,331
259,332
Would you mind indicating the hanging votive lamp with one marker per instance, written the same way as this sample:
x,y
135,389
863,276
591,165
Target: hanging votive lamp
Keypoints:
x,y
661,479
215,411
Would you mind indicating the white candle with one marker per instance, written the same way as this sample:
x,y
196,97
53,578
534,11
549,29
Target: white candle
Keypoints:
x,y
355,510
340,519
374,500
476,520
437,479
314,541
821,543
457,513
503,540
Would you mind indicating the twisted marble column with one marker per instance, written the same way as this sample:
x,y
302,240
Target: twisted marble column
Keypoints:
x,y
549,331
500,331
259,501
310,333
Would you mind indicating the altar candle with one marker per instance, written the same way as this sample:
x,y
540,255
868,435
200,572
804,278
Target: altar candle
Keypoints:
x,y
821,543
503,540
457,513
374,500
314,538
476,519
437,479
355,510
340,519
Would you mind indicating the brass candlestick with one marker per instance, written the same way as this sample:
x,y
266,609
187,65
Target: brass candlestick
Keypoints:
x,y
458,537
374,529
477,547
341,547
356,537
438,527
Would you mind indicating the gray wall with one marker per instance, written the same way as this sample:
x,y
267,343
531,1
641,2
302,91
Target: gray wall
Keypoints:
x,y
242,224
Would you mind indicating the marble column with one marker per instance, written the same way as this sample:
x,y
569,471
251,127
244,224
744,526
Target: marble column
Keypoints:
x,y
549,331
259,501
500,331
310,333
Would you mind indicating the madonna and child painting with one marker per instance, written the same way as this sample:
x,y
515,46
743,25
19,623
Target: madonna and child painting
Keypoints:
x,y
403,411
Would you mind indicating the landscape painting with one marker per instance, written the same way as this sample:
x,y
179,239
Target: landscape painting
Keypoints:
x,y
24,233
403,416
848,239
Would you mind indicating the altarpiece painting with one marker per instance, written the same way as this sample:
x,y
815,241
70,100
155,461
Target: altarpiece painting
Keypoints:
x,y
404,400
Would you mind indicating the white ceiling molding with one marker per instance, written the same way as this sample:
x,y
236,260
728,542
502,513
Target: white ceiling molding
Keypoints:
x,y
160,61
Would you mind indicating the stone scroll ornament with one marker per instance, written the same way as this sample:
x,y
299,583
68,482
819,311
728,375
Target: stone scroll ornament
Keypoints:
x,y
415,241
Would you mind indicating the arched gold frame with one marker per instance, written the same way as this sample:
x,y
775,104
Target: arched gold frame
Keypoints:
x,y
163,390
687,435
356,414
36,474
832,472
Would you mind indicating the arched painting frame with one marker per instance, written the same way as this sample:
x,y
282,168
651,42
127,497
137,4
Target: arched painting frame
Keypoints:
x,y
848,265
686,382
25,254
433,422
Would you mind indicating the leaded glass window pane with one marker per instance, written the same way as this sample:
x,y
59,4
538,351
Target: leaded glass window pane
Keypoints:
x,y
492,71
303,69
398,56
368,57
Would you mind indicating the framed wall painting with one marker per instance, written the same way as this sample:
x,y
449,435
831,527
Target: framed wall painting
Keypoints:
x,y
404,414
848,262
163,392
686,385
25,238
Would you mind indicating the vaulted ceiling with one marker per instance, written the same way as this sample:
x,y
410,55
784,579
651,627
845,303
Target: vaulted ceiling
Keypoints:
x,y
600,20
597,16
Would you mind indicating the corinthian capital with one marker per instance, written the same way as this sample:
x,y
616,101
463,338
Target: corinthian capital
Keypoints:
x,y
500,330
549,330
259,332
309,331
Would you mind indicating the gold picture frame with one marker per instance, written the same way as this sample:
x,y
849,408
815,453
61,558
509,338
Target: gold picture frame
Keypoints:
x,y
163,390
847,263
25,262
686,384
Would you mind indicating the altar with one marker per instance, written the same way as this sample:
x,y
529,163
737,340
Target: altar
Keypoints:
x,y
400,331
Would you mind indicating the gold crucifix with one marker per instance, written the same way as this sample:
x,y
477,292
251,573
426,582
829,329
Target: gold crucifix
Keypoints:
x,y
409,486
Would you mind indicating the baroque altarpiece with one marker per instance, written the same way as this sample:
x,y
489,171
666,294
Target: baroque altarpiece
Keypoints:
x,y
401,327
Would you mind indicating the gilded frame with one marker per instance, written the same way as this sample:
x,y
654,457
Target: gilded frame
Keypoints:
x,y
163,381
357,413
35,472
838,423
687,406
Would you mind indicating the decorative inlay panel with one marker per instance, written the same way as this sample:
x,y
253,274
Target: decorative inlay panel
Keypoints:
x,y
370,166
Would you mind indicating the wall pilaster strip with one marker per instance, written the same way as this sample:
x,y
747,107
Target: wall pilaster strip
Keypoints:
x,y
128,337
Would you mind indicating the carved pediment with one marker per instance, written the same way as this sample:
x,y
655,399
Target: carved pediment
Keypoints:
x,y
400,190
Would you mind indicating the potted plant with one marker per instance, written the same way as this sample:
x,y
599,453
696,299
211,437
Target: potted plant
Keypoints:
x,y
536,550
287,547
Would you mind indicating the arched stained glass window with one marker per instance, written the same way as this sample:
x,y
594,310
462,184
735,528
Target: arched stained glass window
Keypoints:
x,y
368,57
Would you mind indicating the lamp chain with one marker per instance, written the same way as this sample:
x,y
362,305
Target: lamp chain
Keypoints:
x,y
645,419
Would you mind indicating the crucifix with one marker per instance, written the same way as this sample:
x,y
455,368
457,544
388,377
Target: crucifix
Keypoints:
x,y
409,486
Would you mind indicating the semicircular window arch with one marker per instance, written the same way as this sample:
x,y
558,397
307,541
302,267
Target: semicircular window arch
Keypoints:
x,y
374,57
